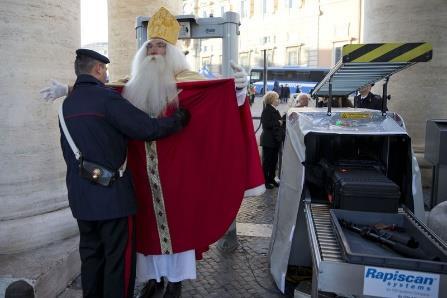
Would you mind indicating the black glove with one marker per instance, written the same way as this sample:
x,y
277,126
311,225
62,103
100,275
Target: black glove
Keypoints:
x,y
183,116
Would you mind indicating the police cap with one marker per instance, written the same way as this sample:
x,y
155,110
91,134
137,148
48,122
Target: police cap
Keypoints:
x,y
93,55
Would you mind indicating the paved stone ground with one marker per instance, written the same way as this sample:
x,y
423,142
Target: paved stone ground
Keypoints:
x,y
243,273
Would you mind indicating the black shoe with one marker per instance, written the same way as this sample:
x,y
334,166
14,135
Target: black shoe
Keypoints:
x,y
173,290
269,185
276,184
151,287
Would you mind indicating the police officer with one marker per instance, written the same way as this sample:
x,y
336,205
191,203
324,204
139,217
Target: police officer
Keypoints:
x,y
368,100
100,122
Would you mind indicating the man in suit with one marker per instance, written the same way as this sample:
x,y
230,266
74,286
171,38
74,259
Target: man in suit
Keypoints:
x,y
100,122
368,100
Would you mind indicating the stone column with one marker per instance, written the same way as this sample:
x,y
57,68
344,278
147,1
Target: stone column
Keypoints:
x,y
418,93
38,40
122,40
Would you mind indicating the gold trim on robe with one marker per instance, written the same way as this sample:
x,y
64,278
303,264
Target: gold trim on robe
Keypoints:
x,y
183,76
157,197
188,75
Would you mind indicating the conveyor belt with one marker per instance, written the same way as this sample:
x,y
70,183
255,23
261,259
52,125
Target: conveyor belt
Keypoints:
x,y
423,228
331,272
327,242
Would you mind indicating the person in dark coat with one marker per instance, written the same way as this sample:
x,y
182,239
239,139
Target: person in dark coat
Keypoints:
x,y
281,93
286,93
337,102
271,137
368,100
100,123
276,87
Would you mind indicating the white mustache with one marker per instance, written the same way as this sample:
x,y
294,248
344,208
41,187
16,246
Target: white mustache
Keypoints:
x,y
154,57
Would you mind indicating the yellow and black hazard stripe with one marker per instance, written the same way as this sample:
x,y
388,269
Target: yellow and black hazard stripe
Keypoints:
x,y
387,52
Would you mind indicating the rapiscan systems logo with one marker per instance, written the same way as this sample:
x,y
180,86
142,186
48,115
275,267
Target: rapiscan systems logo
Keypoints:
x,y
398,279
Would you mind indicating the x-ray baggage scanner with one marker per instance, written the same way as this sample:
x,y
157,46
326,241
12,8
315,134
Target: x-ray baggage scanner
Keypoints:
x,y
309,231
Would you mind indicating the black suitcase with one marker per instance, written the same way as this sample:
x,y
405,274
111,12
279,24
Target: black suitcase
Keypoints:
x,y
363,189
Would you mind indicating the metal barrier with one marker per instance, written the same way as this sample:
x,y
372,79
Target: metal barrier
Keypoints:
x,y
257,118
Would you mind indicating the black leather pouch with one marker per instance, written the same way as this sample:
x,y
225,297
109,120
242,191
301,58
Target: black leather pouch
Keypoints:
x,y
96,173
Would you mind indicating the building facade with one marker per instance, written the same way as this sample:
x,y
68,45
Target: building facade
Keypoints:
x,y
292,32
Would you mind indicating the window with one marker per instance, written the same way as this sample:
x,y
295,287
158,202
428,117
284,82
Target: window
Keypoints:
x,y
244,59
336,53
265,40
244,9
293,55
258,7
296,55
256,76
293,4
337,50
268,7
304,56
290,3
292,58
206,61
270,57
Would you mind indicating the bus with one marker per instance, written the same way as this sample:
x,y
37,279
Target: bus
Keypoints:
x,y
304,77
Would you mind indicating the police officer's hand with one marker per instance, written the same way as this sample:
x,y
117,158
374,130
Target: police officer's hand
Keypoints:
x,y
54,91
183,116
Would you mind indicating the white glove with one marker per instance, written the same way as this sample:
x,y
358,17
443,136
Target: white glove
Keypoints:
x,y
54,91
240,76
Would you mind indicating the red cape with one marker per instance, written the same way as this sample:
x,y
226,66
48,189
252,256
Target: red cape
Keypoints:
x,y
204,170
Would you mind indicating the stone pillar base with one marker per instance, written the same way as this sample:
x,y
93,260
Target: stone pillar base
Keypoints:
x,y
48,269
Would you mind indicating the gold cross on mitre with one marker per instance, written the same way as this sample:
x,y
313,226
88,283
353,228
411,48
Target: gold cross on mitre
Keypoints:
x,y
163,25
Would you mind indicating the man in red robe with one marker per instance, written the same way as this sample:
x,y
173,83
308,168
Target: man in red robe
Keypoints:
x,y
189,188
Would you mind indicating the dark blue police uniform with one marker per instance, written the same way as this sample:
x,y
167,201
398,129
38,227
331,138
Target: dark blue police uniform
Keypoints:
x,y
100,122
371,101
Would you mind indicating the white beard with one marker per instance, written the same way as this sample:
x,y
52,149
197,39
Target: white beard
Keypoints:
x,y
152,86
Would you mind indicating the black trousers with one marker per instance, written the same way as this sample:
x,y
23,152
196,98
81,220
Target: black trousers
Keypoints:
x,y
269,161
107,250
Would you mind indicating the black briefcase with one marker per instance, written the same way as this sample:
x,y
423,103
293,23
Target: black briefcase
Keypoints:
x,y
363,189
